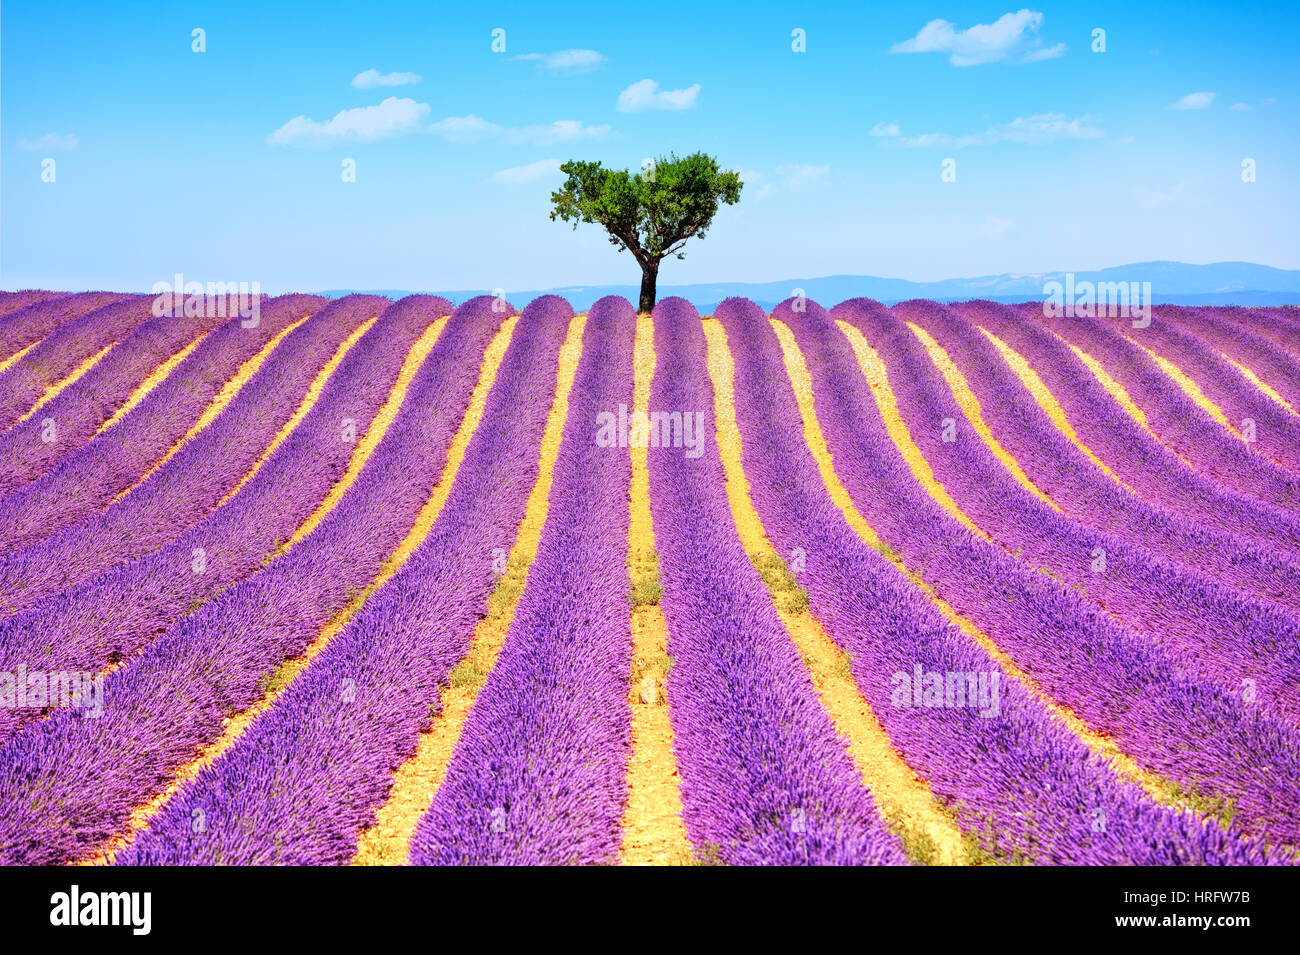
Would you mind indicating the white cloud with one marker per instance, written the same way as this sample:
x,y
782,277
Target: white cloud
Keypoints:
x,y
1044,53
566,61
465,129
756,183
1011,34
542,169
646,95
473,129
788,178
371,79
396,116
995,227
885,129
1044,128
50,142
796,176
1033,130
1246,107
1193,101
560,131
392,117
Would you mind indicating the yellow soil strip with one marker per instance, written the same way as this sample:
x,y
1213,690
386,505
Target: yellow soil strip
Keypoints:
x,y
1052,408
218,403
52,392
970,405
395,397
1097,742
378,428
901,797
456,451
18,355
1191,389
416,781
873,368
1252,378
287,671
653,831
1120,394
308,401
151,382
1117,391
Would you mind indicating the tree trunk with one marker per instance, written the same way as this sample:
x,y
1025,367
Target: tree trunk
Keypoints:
x,y
649,277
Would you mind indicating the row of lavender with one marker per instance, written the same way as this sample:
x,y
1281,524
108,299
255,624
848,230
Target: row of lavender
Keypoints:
x,y
86,481
326,751
1143,693
764,777
72,781
758,832
191,482
1280,327
538,772
1208,348
1151,470
1015,777
1253,641
88,627
523,786
71,331
1178,421
72,418
1063,471
1264,340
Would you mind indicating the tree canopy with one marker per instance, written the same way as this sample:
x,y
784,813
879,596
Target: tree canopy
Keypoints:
x,y
651,213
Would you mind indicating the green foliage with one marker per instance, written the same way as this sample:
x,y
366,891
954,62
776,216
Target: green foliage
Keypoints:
x,y
709,853
646,587
652,213
274,680
468,672
641,666
917,843
786,592
981,846
1218,808
844,665
509,586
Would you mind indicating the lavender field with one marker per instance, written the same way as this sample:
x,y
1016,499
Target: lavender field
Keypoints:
x,y
374,582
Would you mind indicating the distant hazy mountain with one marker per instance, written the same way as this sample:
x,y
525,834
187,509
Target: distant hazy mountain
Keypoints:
x,y
1174,283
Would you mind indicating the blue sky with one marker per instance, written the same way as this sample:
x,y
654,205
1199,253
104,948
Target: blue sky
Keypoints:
x,y
226,165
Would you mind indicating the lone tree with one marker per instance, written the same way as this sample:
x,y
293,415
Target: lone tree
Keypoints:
x,y
651,213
